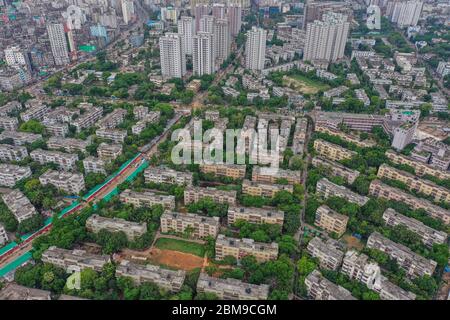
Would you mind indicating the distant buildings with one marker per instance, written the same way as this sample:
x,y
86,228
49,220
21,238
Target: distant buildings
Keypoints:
x,y
20,138
94,165
172,55
325,40
405,12
203,53
115,135
186,28
109,151
255,49
373,17
58,43
133,230
199,226
165,279
239,248
231,289
74,260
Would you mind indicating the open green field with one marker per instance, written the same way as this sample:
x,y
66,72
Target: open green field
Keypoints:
x,y
304,85
180,245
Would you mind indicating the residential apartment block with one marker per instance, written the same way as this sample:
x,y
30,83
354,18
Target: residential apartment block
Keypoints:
x,y
165,279
231,289
164,174
336,169
428,235
12,153
19,205
3,235
108,151
201,226
115,135
264,189
195,194
345,136
234,171
320,288
382,190
16,292
330,220
74,260
328,189
273,175
414,183
332,151
239,248
113,119
88,118
415,265
147,199
93,164
420,168
10,174
36,112
9,123
133,230
68,144
71,183
20,138
329,253
66,161
255,215
358,267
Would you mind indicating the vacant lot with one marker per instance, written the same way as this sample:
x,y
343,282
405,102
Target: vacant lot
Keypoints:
x,y
304,85
180,245
352,242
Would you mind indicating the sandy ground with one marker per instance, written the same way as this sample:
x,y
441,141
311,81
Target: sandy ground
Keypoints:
x,y
352,242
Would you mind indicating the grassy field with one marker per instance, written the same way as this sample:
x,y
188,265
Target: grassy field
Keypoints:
x,y
304,85
180,245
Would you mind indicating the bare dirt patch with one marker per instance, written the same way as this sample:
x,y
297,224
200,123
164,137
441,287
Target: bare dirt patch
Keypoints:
x,y
352,242
169,258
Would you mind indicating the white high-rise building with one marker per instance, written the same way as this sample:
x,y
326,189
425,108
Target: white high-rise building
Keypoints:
x,y
186,28
255,49
58,43
169,14
127,10
406,13
325,40
234,13
200,10
207,24
15,56
173,60
203,54
373,17
222,40
219,10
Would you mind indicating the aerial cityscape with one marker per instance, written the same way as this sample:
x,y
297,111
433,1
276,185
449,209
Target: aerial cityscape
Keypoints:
x,y
224,150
